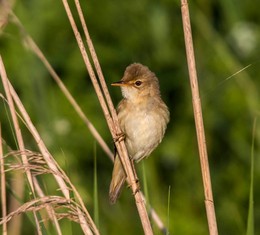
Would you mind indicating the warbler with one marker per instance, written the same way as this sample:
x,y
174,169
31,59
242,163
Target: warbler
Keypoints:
x,y
143,118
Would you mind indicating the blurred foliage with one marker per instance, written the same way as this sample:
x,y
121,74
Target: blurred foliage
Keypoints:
x,y
226,40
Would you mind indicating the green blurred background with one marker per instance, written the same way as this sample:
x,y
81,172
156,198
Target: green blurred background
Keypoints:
x,y
226,39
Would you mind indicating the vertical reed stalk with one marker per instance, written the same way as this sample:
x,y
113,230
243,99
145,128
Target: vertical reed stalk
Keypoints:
x,y
209,203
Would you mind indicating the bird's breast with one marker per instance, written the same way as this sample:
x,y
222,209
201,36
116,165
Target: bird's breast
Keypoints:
x,y
144,128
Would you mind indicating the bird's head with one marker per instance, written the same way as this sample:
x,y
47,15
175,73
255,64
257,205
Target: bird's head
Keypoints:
x,y
138,81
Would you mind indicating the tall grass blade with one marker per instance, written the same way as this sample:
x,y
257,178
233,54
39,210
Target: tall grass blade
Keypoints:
x,y
168,210
145,185
250,218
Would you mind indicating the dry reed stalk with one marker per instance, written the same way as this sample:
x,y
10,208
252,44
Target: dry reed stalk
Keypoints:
x,y
112,121
3,185
18,133
209,203
5,9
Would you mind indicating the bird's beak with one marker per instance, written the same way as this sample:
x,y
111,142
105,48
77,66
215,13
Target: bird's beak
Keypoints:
x,y
120,83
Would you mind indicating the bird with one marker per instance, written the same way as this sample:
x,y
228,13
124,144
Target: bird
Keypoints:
x,y
143,118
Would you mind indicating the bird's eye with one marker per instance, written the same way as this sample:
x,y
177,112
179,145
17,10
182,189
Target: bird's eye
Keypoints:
x,y
138,83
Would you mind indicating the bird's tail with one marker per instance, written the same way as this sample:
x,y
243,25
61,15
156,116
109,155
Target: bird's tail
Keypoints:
x,y
117,182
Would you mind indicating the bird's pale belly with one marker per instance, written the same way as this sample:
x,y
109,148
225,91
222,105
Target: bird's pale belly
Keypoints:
x,y
143,133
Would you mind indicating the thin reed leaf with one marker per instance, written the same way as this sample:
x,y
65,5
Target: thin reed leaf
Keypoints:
x,y
145,185
250,218
168,210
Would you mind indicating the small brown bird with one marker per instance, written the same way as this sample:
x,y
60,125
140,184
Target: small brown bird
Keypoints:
x,y
143,118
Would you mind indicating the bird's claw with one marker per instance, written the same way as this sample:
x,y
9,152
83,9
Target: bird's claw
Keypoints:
x,y
119,137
